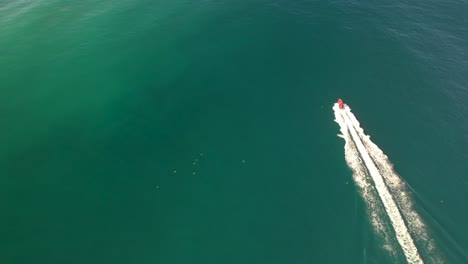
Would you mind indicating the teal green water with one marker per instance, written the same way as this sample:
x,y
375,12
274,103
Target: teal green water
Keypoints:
x,y
202,131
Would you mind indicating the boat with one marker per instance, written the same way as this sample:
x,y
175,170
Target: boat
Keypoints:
x,y
341,104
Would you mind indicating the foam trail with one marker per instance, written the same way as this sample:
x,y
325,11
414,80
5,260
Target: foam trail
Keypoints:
x,y
398,189
401,231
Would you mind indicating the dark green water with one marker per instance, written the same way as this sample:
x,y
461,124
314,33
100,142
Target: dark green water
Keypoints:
x,y
202,131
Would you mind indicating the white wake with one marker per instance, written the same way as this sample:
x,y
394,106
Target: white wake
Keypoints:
x,y
399,190
350,127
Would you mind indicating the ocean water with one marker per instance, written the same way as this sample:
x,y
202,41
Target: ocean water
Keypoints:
x,y
203,131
